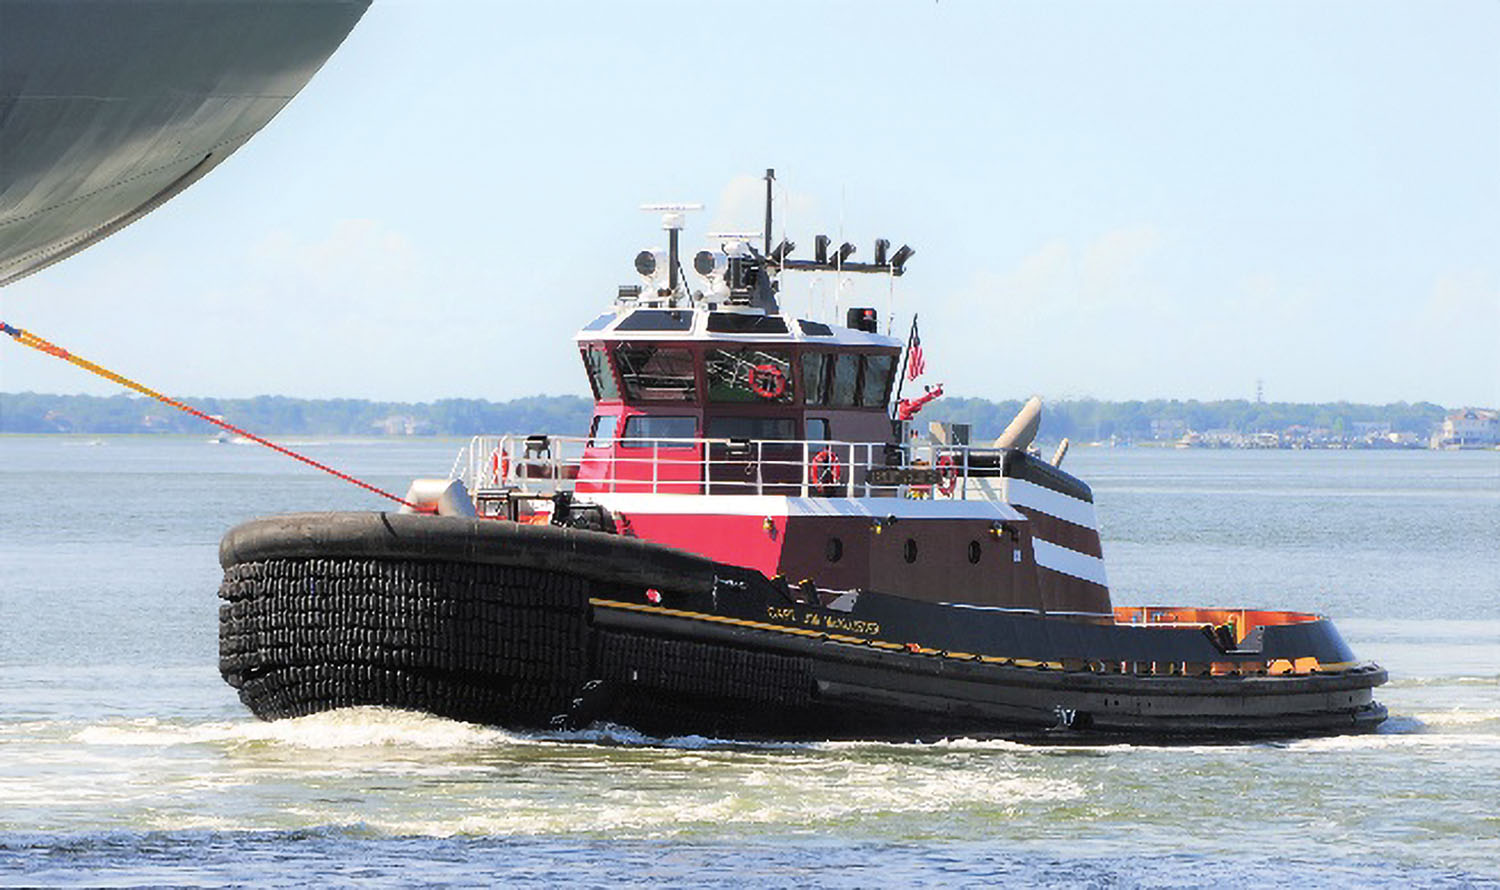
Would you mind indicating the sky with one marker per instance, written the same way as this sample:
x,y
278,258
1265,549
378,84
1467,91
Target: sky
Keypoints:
x,y
1107,200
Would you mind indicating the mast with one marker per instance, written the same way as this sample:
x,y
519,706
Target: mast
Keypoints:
x,y
770,177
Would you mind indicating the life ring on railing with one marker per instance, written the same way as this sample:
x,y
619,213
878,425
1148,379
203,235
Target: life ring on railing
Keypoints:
x,y
499,465
947,475
825,472
767,381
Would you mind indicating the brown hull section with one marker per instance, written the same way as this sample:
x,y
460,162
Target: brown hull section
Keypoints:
x,y
1063,594
1081,538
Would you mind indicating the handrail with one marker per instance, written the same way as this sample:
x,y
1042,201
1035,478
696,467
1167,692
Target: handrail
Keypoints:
x,y
544,465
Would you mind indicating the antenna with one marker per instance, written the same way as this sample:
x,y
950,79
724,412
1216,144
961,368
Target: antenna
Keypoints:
x,y
671,220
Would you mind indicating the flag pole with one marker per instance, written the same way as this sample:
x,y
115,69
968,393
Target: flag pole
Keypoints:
x,y
905,359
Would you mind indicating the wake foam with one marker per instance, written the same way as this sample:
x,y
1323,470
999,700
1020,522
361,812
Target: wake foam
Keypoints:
x,y
344,728
375,727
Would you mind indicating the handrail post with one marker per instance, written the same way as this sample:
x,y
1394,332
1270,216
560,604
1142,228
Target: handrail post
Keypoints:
x,y
802,474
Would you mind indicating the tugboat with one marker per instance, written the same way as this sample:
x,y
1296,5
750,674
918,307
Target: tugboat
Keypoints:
x,y
755,539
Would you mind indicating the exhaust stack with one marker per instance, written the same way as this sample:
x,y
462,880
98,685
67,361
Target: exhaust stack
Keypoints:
x,y
1023,429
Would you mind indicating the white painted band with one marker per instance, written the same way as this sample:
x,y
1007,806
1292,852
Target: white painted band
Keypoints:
x,y
777,505
1029,494
1069,562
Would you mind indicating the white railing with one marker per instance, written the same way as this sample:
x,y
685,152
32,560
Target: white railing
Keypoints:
x,y
544,465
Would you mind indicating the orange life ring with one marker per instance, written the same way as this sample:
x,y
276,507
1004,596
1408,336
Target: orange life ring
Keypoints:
x,y
825,471
499,465
759,377
947,474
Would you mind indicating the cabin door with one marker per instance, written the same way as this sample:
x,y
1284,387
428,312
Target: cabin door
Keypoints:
x,y
596,470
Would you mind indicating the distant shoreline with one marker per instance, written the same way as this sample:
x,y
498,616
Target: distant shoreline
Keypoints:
x,y
294,440
1083,421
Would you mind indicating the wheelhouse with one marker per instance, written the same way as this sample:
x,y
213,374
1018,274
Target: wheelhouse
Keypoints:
x,y
670,382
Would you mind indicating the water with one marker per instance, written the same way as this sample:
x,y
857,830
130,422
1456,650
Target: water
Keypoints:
x,y
125,760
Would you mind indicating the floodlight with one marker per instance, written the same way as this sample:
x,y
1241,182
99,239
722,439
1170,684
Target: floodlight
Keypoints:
x,y
645,263
898,262
710,264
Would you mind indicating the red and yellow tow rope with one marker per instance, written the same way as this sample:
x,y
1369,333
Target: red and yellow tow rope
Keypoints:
x,y
26,338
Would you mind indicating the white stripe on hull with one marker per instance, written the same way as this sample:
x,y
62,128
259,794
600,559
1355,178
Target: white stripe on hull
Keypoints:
x,y
1069,562
1065,507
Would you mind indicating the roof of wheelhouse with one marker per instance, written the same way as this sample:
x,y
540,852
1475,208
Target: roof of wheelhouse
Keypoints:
x,y
739,303
713,323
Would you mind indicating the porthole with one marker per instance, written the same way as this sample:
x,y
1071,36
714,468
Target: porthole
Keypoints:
x,y
974,551
835,550
910,550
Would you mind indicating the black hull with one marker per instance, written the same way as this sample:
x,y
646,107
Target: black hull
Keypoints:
x,y
531,627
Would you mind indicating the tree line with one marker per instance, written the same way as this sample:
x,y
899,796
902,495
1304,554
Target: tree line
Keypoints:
x,y
1080,419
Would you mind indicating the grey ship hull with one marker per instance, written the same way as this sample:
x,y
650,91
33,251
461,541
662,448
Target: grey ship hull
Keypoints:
x,y
108,108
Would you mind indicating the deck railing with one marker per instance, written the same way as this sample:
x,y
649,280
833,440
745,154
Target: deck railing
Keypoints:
x,y
544,465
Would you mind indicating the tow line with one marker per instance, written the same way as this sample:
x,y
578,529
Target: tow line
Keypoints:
x,y
26,338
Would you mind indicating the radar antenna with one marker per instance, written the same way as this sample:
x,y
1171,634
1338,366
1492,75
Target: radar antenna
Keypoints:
x,y
671,220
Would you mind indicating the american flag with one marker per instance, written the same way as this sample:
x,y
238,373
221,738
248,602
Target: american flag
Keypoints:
x,y
915,363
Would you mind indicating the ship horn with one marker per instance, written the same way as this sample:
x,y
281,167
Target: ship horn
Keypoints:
x,y
1023,429
1062,451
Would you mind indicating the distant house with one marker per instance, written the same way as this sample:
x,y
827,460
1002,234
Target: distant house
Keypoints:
x,y
1171,428
1372,428
402,425
1469,428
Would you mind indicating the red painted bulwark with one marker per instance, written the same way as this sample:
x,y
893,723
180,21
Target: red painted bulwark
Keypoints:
x,y
737,540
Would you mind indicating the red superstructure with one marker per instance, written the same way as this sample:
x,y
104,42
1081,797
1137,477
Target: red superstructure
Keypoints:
x,y
729,429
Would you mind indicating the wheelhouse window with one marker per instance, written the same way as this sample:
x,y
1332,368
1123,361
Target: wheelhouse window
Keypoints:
x,y
749,374
759,428
815,366
817,429
648,431
653,373
601,378
875,382
845,380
